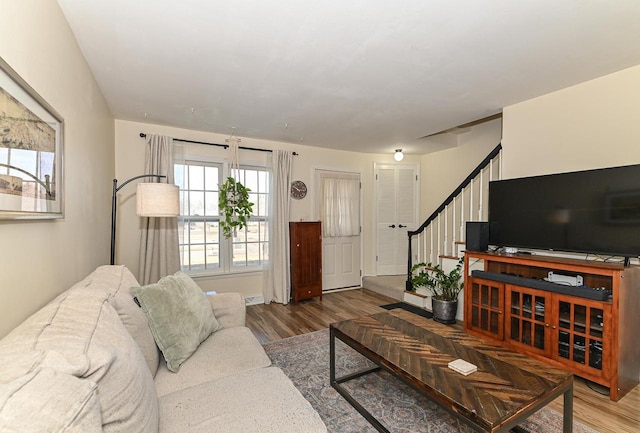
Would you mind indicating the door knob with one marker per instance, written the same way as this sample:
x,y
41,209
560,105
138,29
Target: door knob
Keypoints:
x,y
401,226
393,226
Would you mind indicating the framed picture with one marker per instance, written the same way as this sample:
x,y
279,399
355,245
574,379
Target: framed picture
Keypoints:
x,y
31,158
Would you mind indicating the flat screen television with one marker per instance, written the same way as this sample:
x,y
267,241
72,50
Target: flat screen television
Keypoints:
x,y
593,211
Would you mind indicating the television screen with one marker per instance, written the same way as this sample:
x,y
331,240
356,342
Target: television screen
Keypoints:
x,y
593,211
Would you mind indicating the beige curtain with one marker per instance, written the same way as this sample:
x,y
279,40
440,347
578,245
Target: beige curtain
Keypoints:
x,y
339,204
277,284
159,255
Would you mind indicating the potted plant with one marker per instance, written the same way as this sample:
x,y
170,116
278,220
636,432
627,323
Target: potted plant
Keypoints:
x,y
234,205
445,288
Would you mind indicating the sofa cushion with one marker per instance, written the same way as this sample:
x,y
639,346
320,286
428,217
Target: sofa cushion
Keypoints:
x,y
48,401
229,309
263,400
127,393
179,314
225,352
80,334
132,315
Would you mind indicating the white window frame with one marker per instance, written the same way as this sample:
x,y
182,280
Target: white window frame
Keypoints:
x,y
226,246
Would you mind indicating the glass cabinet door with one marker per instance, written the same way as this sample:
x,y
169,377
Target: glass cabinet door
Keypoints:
x,y
527,318
580,332
486,307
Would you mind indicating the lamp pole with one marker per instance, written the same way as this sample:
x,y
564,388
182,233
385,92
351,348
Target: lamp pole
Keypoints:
x,y
114,204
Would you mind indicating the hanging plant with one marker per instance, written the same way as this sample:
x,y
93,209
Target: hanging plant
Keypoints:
x,y
233,200
234,205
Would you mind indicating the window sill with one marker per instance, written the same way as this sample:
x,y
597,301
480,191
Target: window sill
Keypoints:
x,y
211,275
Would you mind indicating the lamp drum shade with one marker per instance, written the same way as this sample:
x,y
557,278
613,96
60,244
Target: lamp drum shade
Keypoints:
x,y
157,200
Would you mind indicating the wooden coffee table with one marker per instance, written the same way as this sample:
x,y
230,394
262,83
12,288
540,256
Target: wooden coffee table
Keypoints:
x,y
507,388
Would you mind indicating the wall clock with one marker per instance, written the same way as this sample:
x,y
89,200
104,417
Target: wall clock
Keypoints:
x,y
298,189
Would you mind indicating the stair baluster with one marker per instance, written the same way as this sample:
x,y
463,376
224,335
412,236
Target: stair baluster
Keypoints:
x,y
429,245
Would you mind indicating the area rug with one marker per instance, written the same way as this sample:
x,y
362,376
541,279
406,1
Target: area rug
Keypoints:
x,y
415,310
305,359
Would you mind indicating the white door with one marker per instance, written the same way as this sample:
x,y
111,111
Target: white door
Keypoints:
x,y
341,263
396,214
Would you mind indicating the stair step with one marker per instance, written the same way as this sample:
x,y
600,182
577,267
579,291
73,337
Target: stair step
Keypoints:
x,y
450,257
392,286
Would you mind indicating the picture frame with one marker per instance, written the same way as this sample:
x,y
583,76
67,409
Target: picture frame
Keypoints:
x,y
31,152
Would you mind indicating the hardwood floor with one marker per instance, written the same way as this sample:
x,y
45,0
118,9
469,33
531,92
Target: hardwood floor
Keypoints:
x,y
276,321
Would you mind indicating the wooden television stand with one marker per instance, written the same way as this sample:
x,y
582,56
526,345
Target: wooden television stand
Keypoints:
x,y
590,331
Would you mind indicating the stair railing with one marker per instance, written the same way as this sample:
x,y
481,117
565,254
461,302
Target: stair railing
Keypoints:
x,y
444,230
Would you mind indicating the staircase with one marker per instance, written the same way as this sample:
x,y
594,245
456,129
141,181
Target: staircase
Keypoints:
x,y
440,239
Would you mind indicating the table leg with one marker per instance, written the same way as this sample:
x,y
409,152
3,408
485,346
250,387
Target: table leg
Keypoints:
x,y
567,424
336,384
332,357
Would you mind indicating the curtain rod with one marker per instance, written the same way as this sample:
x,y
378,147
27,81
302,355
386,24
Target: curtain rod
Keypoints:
x,y
143,135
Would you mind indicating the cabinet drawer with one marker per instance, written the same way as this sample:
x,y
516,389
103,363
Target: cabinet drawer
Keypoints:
x,y
306,292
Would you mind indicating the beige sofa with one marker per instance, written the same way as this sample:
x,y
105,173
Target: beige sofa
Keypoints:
x,y
87,362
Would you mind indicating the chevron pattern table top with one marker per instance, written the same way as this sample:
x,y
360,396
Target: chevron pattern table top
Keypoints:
x,y
507,387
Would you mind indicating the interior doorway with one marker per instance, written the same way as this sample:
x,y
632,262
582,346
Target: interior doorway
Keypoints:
x,y
396,214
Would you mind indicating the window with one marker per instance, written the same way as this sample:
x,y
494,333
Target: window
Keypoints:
x,y
203,248
28,174
251,244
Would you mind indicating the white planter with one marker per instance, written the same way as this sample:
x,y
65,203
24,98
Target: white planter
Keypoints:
x,y
417,299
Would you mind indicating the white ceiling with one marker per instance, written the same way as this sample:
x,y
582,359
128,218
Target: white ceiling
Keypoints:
x,y
362,75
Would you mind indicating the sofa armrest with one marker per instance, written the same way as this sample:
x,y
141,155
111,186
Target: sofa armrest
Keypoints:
x,y
229,309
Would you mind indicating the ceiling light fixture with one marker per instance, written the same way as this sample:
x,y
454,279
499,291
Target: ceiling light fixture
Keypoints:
x,y
398,156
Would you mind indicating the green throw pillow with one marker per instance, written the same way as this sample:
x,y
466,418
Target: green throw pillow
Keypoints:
x,y
179,314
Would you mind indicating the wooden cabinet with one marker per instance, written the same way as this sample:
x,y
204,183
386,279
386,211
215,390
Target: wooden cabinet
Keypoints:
x,y
305,249
510,303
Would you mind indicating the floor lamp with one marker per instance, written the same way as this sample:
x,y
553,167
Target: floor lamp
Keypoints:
x,y
152,200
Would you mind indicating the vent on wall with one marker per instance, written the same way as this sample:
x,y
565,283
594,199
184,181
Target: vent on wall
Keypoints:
x,y
253,300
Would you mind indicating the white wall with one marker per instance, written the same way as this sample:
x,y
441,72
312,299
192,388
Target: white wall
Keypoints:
x,y
444,170
40,259
590,125
130,154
